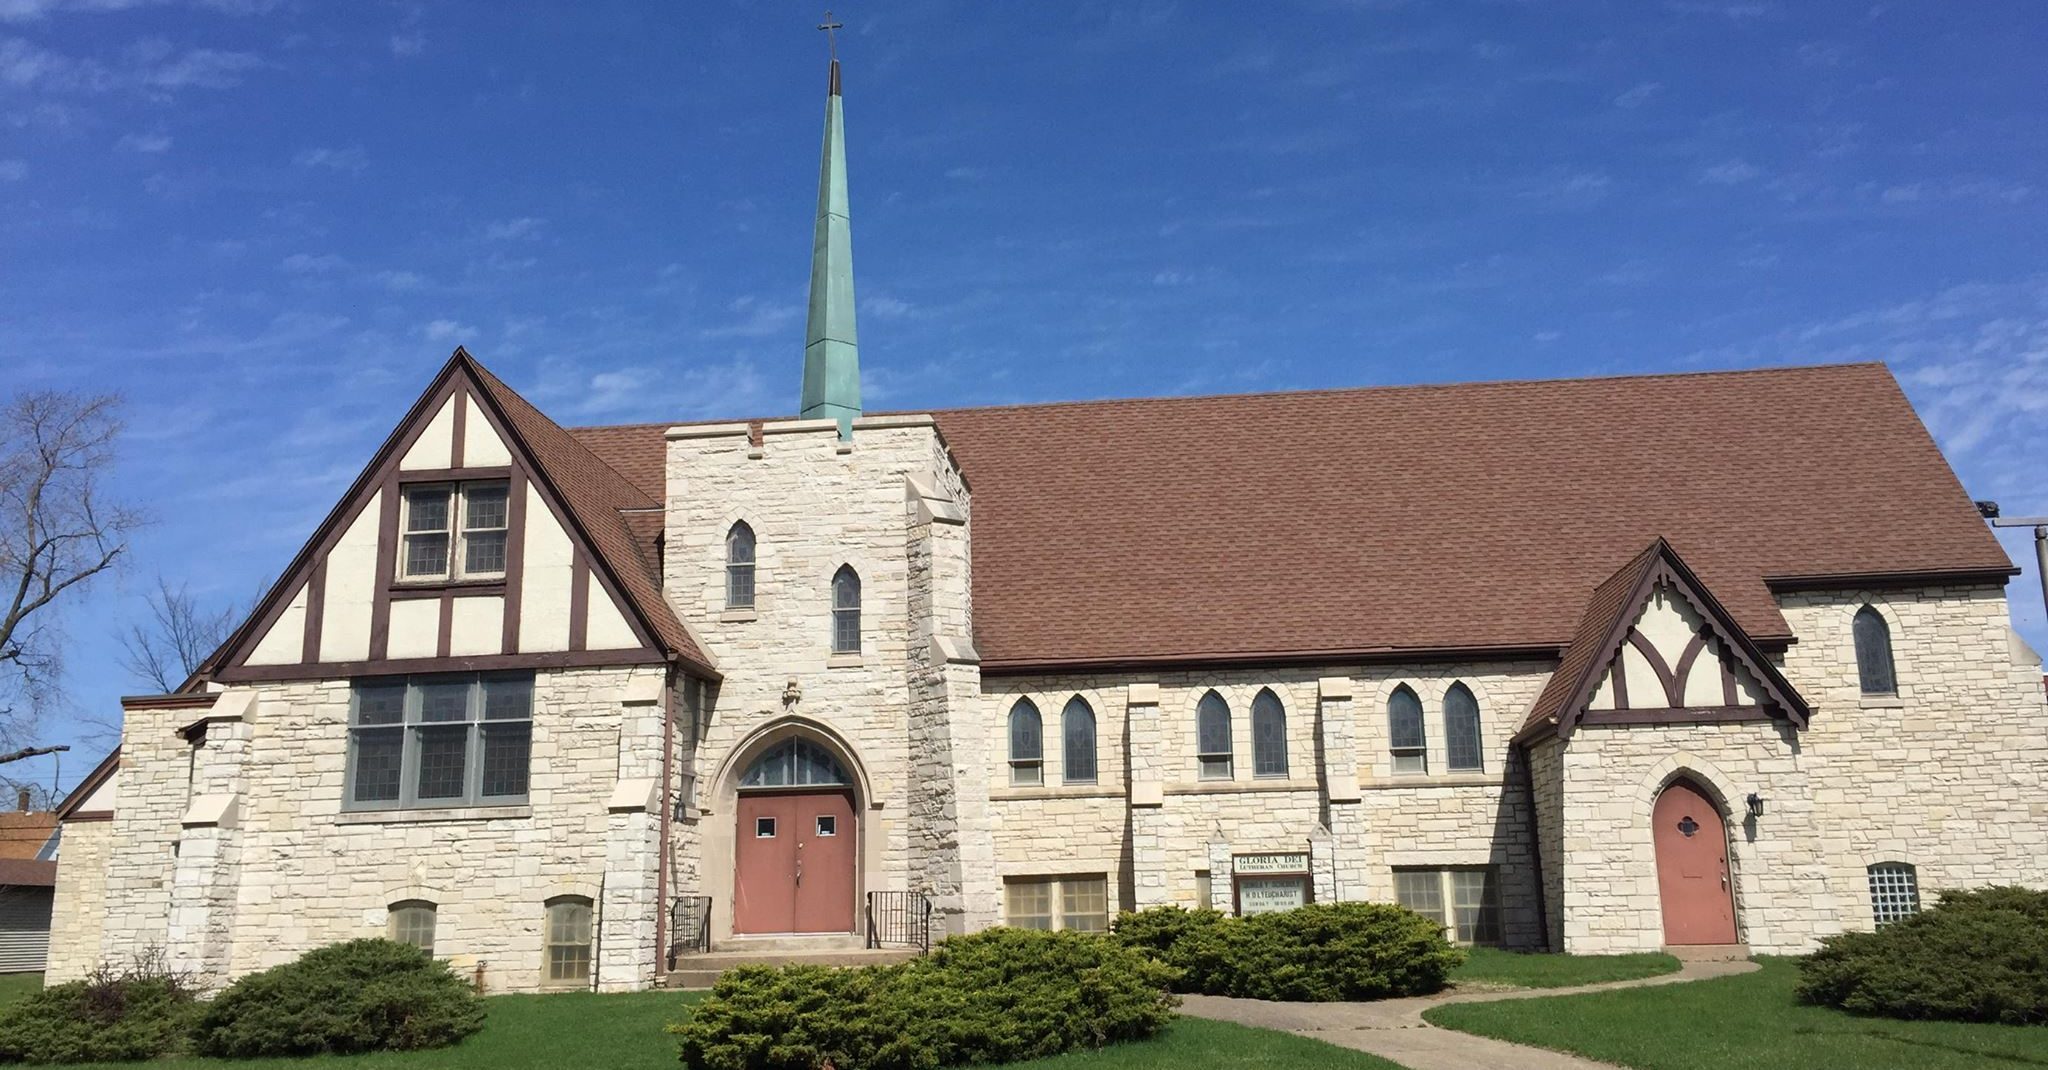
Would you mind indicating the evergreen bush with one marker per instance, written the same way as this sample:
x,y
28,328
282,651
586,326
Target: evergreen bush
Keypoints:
x,y
363,995
1976,956
1316,953
141,1012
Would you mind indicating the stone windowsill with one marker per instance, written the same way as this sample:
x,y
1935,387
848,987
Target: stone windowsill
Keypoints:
x,y
1227,787
1426,780
1060,791
453,813
844,661
1883,702
739,616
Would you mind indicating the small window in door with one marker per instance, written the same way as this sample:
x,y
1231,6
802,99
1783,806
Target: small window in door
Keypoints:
x,y
764,828
828,825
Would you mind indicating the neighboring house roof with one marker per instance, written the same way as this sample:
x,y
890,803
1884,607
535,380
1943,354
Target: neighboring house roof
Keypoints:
x,y
27,873
23,833
1433,520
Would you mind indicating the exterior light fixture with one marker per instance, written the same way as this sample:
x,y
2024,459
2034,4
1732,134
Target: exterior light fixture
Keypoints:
x,y
1756,805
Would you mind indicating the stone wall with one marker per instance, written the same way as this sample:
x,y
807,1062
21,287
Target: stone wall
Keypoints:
x,y
79,903
282,869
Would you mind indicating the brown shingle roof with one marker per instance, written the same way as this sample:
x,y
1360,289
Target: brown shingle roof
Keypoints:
x,y
596,493
27,873
24,832
1439,518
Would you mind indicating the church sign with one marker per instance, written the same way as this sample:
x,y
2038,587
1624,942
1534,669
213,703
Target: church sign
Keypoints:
x,y
1269,882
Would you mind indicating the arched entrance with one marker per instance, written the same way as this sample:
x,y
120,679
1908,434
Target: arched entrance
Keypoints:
x,y
1692,866
795,843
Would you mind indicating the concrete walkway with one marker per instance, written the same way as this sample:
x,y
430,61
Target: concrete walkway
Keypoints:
x,y
1394,1029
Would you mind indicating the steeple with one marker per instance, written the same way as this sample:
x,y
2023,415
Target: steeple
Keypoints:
x,y
831,350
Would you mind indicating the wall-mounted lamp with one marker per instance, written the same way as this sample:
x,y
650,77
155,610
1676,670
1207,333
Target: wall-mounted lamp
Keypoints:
x,y
1756,805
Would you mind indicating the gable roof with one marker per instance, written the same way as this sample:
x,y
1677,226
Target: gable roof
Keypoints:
x,y
84,789
1611,613
1433,520
591,494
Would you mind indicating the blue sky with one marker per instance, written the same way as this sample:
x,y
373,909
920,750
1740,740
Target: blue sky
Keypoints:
x,y
268,221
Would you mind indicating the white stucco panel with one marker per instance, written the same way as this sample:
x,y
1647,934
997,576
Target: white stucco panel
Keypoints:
x,y
544,594
481,446
415,628
351,587
606,627
477,626
285,642
435,446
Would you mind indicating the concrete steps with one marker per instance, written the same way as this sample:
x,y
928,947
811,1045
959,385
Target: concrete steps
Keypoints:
x,y
701,969
1708,952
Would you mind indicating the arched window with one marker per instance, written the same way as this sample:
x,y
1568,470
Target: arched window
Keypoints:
x,y
1894,891
1874,653
1077,731
412,922
568,941
1212,737
1405,735
846,611
1269,735
739,566
1027,744
795,763
1461,730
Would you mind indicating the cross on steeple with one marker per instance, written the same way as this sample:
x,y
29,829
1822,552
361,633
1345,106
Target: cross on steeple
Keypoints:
x,y
830,26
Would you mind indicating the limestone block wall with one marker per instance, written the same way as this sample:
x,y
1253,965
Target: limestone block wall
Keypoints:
x,y
79,902
1546,788
816,503
306,874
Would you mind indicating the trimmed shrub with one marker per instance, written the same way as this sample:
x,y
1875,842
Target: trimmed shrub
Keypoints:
x,y
363,995
139,1013
993,997
1316,953
1976,956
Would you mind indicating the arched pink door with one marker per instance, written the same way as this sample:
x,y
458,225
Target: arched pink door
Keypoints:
x,y
1692,867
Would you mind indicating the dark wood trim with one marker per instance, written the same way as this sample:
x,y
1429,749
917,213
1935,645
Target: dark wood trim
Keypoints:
x,y
445,635
88,815
1683,672
561,659
1728,689
1256,659
1619,671
188,700
316,604
579,601
1657,665
460,588
454,475
387,568
516,490
1910,578
459,429
91,783
1678,715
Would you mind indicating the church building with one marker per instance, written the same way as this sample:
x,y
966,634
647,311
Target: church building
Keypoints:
x,y
1701,661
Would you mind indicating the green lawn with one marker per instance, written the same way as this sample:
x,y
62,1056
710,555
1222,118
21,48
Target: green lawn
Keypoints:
x,y
13,986
1746,1022
1519,969
625,1032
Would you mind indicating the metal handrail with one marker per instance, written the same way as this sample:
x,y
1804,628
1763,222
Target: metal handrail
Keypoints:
x,y
900,919
689,926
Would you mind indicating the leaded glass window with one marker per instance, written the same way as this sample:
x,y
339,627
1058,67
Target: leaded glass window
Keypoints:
x,y
455,531
1269,736
1406,738
1212,737
739,567
1894,892
1461,730
437,741
795,763
568,940
846,611
412,922
1027,745
1077,730
1874,653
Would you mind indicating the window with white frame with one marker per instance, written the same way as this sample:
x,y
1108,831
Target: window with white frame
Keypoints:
x,y
1461,731
846,611
739,566
1464,900
1269,735
412,922
438,741
1406,738
1077,738
567,952
454,531
1080,903
1894,892
1027,745
1212,738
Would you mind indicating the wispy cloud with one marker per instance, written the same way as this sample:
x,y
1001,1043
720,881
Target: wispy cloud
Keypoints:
x,y
13,170
1568,189
145,143
351,159
447,331
408,44
512,229
399,281
311,263
150,66
33,10
758,319
1729,173
1637,95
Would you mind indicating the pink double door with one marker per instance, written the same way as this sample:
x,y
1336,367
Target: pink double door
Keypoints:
x,y
793,863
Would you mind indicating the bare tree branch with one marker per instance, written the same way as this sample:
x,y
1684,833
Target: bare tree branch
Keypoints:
x,y
164,650
58,530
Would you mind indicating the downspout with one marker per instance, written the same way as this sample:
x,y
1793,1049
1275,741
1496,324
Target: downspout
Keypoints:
x,y
668,754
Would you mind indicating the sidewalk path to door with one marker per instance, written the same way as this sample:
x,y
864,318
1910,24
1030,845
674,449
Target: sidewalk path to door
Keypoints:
x,y
1394,1029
